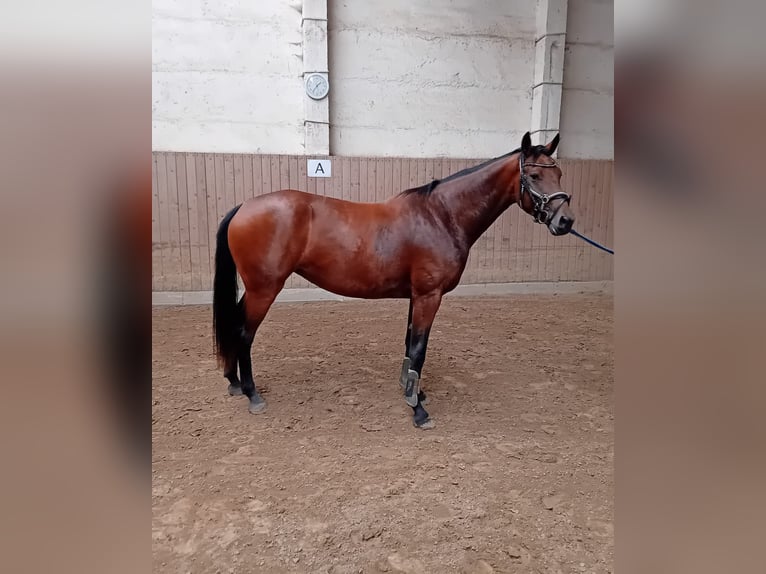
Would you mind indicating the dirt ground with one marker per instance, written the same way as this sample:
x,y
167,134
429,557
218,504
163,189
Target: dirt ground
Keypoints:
x,y
333,478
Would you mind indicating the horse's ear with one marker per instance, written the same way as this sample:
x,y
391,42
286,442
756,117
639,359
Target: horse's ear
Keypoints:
x,y
526,144
551,147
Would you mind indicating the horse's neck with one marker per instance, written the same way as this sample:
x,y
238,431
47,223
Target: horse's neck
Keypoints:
x,y
476,202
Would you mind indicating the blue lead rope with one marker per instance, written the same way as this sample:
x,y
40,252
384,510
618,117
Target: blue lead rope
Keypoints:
x,y
593,243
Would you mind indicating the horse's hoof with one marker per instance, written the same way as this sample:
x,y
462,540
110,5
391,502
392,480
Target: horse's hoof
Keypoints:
x,y
235,391
427,424
257,408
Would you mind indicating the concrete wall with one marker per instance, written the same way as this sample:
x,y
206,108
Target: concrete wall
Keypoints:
x,y
587,106
227,76
409,78
417,78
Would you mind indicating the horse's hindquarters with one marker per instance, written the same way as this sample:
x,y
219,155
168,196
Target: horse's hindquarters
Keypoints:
x,y
268,236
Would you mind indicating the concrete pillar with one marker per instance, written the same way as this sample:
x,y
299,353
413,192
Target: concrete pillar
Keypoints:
x,y
317,112
549,69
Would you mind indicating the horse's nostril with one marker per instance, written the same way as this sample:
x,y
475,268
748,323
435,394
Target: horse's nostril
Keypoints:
x,y
565,221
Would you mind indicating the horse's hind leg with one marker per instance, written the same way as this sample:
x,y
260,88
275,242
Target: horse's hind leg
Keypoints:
x,y
257,304
235,385
257,404
230,371
245,366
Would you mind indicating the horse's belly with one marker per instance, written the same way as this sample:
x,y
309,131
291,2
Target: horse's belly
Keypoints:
x,y
356,280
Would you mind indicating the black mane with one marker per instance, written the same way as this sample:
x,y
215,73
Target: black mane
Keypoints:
x,y
428,188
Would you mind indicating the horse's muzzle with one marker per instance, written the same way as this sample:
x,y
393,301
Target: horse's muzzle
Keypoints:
x,y
564,225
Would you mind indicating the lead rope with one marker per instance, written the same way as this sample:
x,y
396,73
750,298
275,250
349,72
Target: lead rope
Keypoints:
x,y
588,240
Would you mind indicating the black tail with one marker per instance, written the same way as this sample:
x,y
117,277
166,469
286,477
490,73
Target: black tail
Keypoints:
x,y
227,315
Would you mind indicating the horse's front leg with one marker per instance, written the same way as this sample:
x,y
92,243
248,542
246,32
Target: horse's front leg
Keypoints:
x,y
424,308
407,363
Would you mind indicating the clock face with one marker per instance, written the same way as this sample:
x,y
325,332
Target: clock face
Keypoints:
x,y
317,86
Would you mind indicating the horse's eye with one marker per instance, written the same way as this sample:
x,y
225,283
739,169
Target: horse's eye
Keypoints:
x,y
534,176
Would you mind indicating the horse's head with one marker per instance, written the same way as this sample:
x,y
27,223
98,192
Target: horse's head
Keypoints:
x,y
540,186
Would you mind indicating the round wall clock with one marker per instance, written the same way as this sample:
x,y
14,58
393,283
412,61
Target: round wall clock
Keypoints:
x,y
317,86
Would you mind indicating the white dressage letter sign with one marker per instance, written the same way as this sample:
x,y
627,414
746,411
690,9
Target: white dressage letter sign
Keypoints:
x,y
319,168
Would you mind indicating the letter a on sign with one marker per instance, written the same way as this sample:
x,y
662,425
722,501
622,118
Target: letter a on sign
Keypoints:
x,y
319,168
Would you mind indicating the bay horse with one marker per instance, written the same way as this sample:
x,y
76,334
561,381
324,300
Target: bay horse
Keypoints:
x,y
414,246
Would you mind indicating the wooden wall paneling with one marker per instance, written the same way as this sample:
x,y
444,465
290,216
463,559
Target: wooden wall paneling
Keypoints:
x,y
157,272
212,209
192,214
205,249
175,262
192,192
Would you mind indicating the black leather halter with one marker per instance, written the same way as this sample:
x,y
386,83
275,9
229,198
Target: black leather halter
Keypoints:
x,y
540,200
